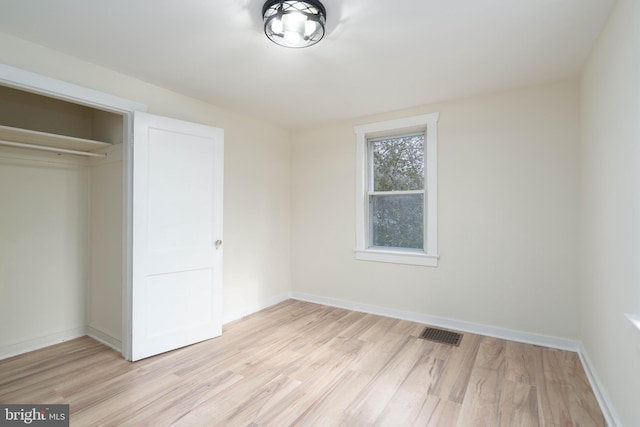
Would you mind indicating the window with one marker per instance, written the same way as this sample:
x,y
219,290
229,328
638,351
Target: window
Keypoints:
x,y
396,207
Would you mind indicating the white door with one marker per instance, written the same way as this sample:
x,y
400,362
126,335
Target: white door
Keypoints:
x,y
177,234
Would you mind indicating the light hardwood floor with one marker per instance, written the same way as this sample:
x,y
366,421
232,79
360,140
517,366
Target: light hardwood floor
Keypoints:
x,y
298,363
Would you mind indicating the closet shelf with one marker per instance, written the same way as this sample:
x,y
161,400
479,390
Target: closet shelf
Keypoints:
x,y
52,140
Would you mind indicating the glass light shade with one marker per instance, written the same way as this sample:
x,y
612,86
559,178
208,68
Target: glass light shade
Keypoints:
x,y
294,23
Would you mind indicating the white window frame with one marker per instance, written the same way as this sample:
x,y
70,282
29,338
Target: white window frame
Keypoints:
x,y
429,256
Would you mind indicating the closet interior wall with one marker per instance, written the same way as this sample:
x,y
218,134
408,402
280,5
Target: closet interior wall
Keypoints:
x,y
61,221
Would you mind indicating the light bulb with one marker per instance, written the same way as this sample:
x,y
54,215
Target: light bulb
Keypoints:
x,y
310,27
293,38
276,26
294,22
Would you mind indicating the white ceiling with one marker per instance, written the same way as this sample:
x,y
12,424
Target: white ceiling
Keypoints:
x,y
377,56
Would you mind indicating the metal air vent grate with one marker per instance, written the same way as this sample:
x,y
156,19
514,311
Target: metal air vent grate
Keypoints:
x,y
441,336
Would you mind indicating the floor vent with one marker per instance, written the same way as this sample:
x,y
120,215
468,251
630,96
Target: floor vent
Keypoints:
x,y
441,336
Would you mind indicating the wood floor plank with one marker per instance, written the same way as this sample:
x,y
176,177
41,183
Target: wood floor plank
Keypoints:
x,y
326,387
410,405
553,387
303,364
326,407
482,400
384,384
518,405
520,362
437,413
453,383
584,407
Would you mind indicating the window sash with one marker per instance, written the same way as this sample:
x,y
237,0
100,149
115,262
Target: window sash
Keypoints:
x,y
371,193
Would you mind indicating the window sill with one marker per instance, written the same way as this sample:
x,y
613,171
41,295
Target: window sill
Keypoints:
x,y
397,257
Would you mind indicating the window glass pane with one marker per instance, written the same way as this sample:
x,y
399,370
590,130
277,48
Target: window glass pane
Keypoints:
x,y
398,163
397,221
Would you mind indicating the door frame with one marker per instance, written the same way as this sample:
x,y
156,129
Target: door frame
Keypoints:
x,y
28,81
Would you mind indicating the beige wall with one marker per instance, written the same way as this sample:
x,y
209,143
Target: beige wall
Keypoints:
x,y
104,299
43,249
257,161
30,111
507,210
610,210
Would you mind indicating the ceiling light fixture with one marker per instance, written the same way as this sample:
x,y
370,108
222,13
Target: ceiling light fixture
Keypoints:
x,y
294,23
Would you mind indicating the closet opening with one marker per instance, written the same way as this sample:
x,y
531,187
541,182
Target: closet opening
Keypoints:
x,y
62,223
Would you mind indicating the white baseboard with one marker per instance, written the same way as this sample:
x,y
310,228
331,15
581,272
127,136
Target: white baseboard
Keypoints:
x,y
15,349
474,328
610,415
105,338
254,308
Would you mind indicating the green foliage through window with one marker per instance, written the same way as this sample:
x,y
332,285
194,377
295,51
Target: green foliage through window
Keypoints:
x,y
398,163
397,221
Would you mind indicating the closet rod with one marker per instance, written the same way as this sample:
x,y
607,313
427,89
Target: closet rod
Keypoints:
x,y
45,148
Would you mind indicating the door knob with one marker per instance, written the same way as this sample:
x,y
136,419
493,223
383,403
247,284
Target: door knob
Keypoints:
x,y
218,243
